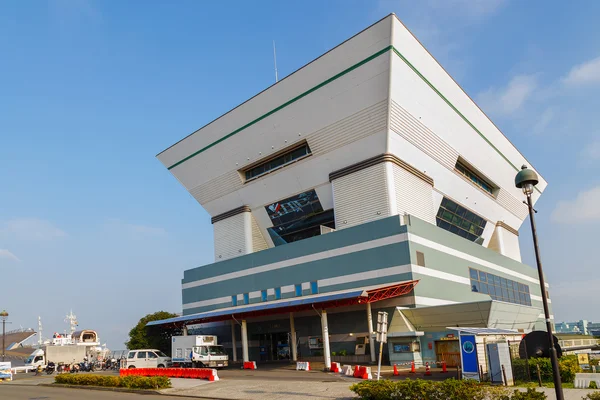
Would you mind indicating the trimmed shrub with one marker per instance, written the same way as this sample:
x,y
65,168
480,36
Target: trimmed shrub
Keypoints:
x,y
450,389
129,382
424,390
592,396
530,394
568,366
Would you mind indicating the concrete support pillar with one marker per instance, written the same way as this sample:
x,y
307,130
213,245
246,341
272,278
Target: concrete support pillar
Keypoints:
x,y
185,332
233,341
326,352
293,338
245,341
371,338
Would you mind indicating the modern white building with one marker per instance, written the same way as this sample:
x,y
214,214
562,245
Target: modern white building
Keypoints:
x,y
370,171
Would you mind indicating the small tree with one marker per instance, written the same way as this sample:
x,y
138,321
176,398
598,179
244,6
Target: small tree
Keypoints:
x,y
141,337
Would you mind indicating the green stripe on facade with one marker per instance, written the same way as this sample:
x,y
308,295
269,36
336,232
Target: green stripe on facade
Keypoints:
x,y
339,75
284,105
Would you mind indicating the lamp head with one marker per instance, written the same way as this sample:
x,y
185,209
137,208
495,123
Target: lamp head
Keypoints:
x,y
526,179
3,314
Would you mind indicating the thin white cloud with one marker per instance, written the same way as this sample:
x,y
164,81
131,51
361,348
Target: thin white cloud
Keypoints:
x,y
136,230
30,229
6,254
507,100
585,73
543,122
591,152
583,209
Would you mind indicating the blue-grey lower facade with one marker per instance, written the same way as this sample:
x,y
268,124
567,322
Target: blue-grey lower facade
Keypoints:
x,y
374,254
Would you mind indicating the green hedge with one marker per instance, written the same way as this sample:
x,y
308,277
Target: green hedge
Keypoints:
x,y
129,382
450,389
568,366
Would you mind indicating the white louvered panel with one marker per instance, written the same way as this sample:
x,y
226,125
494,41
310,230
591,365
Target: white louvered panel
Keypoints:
x,y
409,127
414,196
359,197
230,237
355,127
366,122
218,187
258,241
511,203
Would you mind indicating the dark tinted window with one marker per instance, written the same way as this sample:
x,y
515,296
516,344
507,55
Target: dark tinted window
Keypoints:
x,y
277,162
498,288
460,221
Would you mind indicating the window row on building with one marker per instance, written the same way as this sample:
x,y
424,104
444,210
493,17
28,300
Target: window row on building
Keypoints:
x,y
475,178
460,221
264,294
279,161
499,288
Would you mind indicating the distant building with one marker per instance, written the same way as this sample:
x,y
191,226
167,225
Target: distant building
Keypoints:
x,y
582,326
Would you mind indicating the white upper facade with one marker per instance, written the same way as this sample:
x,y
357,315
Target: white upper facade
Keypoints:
x,y
379,93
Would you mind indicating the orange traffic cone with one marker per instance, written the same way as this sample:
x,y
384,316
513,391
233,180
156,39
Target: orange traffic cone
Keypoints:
x,y
412,367
427,369
395,370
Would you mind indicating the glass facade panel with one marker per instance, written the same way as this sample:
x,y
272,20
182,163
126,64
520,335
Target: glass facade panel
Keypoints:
x,y
277,162
263,295
499,288
298,217
314,287
234,301
460,221
298,289
246,298
277,293
474,177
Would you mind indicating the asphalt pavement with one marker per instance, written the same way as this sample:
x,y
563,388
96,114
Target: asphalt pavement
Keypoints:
x,y
20,392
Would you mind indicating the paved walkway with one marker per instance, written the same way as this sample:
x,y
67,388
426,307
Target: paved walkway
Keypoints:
x,y
273,390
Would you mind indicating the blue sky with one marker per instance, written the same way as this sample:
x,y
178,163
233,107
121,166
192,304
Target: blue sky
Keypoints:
x,y
91,91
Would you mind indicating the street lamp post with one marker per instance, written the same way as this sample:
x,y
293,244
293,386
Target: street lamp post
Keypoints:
x,y
526,179
3,315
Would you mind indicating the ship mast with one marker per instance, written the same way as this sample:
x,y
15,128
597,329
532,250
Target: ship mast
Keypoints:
x,y
72,320
40,341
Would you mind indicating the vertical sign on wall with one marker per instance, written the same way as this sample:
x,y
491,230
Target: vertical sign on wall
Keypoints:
x,y
468,355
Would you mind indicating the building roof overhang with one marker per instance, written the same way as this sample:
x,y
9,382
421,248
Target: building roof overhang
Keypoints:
x,y
305,303
480,314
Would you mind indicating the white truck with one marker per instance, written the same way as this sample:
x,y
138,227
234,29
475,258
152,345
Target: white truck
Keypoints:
x,y
57,354
198,351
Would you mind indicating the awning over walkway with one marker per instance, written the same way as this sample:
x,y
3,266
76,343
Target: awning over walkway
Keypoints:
x,y
485,331
297,304
481,314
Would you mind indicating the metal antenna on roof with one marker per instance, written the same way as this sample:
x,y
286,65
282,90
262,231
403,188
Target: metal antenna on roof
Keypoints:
x,y
275,61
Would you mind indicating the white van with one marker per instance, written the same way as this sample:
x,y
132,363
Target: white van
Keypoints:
x,y
147,358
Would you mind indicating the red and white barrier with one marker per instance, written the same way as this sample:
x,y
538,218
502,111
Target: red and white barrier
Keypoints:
x,y
347,370
189,373
335,367
362,372
303,366
249,365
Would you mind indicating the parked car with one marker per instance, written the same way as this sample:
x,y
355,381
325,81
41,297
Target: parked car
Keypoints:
x,y
147,358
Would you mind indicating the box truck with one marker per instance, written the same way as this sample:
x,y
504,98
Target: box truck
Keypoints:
x,y
198,351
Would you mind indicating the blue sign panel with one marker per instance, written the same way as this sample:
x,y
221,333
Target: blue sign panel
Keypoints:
x,y
468,351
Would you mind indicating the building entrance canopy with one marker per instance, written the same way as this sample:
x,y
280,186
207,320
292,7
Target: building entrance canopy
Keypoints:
x,y
304,303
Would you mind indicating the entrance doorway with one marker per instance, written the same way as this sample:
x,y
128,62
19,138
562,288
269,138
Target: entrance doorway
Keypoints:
x,y
274,346
448,351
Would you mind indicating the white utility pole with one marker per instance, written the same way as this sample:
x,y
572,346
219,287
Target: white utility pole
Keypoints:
x,y
382,325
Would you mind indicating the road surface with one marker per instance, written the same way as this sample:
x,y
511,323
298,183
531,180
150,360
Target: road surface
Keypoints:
x,y
20,392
